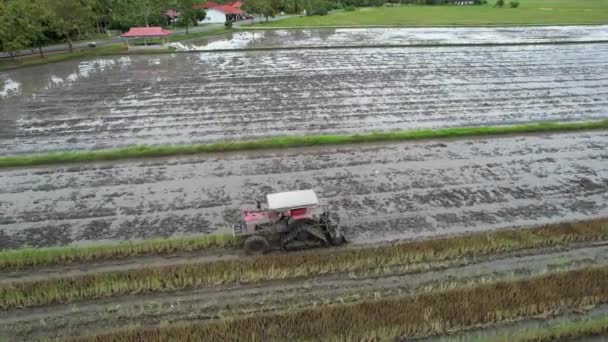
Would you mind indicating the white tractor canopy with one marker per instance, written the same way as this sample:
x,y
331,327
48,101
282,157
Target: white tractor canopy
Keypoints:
x,y
292,199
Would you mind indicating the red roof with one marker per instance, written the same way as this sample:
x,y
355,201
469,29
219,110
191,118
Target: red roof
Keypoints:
x,y
227,9
146,32
235,4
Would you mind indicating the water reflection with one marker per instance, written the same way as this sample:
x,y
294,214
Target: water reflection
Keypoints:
x,y
9,86
393,36
36,79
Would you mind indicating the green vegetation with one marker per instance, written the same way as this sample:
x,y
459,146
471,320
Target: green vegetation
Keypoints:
x,y
107,50
388,319
37,257
542,12
145,151
567,331
379,260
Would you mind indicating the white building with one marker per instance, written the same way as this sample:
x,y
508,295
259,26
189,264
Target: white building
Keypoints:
x,y
217,13
214,15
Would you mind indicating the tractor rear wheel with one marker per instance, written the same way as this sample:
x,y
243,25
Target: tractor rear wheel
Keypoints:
x,y
256,244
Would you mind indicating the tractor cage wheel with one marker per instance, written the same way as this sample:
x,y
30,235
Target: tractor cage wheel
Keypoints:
x,y
255,244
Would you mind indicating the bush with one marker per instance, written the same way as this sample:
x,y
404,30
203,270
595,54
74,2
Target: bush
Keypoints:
x,y
228,24
318,7
514,4
499,3
350,8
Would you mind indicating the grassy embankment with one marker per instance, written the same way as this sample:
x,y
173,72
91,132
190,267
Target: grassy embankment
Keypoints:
x,y
405,257
106,50
38,257
146,151
423,314
565,331
530,12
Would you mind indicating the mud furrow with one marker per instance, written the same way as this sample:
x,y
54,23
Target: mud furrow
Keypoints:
x,y
185,98
382,191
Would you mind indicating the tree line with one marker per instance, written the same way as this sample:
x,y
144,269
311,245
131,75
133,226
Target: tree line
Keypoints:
x,y
35,23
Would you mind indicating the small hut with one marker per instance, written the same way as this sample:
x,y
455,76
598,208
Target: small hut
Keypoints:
x,y
146,33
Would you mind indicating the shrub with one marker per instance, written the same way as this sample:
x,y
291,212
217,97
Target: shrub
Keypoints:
x,y
499,3
514,4
318,7
349,8
228,24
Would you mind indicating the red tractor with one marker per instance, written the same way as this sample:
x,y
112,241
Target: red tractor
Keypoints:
x,y
290,220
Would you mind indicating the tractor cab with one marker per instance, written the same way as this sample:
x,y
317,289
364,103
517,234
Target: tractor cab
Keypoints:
x,y
283,209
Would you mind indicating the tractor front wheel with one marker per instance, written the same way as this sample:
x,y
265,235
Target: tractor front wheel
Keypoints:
x,y
256,244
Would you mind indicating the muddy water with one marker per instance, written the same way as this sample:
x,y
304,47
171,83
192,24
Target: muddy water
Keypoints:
x,y
394,36
382,192
202,97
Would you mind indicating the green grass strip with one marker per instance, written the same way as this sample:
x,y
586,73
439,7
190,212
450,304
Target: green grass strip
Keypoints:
x,y
565,331
37,257
295,265
146,151
395,318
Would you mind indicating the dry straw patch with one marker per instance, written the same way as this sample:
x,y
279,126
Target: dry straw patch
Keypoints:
x,y
423,314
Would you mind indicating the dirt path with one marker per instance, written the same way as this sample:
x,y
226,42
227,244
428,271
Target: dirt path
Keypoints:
x,y
201,97
382,192
226,301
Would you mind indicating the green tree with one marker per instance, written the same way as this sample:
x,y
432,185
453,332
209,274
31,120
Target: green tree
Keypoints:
x,y
103,14
129,13
22,24
261,7
11,37
150,9
188,12
70,17
201,14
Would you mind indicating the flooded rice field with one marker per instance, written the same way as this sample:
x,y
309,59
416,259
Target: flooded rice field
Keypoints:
x,y
263,39
382,192
205,97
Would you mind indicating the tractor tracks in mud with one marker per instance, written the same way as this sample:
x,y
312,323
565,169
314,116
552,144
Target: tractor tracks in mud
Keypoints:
x,y
381,191
224,301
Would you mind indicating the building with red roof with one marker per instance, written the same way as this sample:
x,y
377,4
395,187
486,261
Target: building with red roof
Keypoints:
x,y
217,13
146,33
235,4
143,32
